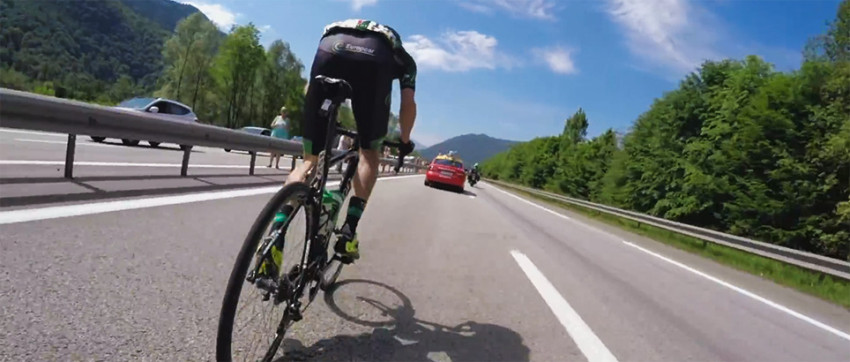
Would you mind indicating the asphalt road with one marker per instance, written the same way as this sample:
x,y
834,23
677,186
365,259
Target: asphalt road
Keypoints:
x,y
137,269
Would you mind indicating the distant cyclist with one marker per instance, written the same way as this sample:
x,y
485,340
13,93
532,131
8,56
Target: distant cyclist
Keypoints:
x,y
369,56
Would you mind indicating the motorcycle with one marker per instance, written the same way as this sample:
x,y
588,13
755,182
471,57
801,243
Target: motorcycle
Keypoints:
x,y
472,177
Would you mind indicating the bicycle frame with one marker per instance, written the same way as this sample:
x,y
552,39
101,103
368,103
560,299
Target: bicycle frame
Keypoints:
x,y
315,258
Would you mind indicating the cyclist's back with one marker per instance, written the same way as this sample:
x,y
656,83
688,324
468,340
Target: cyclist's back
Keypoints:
x,y
369,56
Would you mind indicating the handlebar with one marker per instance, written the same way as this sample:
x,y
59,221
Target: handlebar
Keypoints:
x,y
400,162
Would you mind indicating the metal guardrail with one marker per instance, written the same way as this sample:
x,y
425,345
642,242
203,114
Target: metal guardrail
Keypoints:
x,y
830,266
30,111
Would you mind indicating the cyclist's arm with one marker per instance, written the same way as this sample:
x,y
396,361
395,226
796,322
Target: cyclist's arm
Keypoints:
x,y
407,112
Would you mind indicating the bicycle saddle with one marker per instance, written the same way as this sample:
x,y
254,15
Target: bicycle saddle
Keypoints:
x,y
336,87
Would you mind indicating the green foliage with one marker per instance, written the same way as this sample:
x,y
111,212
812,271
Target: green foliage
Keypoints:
x,y
188,55
166,13
280,84
107,51
738,147
235,69
81,46
46,89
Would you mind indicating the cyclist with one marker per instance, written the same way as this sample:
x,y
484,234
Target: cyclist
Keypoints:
x,y
369,56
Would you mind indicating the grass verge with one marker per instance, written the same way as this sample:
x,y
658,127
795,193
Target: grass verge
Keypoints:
x,y
826,287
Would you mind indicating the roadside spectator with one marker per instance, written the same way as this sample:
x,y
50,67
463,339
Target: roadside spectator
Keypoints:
x,y
280,129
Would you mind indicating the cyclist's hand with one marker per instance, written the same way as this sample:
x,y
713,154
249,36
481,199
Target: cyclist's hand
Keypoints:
x,y
405,149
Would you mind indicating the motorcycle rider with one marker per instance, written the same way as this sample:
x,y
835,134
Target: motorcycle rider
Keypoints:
x,y
474,173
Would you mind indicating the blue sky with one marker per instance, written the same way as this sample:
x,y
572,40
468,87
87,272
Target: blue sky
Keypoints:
x,y
516,69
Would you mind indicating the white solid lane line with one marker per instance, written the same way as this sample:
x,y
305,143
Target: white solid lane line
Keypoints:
x,y
53,212
743,291
61,142
7,130
111,164
739,290
528,202
589,344
80,143
16,216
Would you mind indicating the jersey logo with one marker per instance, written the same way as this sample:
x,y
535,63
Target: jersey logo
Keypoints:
x,y
340,47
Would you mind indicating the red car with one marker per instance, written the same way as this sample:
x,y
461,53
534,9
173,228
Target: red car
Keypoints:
x,y
446,170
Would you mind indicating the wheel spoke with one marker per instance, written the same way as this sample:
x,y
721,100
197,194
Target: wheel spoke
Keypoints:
x,y
258,327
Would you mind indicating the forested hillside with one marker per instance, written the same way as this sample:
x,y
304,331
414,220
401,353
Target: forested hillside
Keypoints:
x,y
107,51
166,13
85,47
738,147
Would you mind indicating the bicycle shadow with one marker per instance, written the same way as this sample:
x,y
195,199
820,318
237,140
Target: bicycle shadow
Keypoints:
x,y
406,338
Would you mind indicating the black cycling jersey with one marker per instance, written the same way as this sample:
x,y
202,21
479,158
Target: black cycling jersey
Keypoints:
x,y
407,65
369,56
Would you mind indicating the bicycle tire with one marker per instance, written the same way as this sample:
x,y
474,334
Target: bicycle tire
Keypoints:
x,y
224,338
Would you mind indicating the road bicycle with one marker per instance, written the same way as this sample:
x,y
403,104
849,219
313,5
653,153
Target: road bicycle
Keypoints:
x,y
316,266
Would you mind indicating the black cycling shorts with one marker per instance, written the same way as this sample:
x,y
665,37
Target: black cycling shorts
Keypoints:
x,y
366,61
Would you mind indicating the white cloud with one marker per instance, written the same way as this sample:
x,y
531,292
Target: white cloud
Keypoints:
x,y
558,58
217,13
673,34
476,7
359,4
457,52
538,9
265,28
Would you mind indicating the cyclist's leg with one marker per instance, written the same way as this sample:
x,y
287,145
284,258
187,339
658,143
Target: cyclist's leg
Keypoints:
x,y
313,127
371,106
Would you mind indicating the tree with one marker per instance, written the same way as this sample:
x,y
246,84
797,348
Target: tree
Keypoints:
x,y
737,147
575,128
235,70
178,50
188,56
280,82
833,46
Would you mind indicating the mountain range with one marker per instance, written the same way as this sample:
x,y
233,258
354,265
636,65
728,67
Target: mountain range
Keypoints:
x,y
470,147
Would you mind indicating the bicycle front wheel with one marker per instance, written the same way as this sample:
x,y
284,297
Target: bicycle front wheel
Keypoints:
x,y
255,310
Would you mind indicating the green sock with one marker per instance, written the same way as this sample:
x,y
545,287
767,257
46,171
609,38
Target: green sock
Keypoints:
x,y
355,209
280,218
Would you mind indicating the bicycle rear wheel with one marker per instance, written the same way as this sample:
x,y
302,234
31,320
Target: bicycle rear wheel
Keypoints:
x,y
259,337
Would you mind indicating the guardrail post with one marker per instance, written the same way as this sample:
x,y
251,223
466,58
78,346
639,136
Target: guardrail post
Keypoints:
x,y
69,155
292,167
253,161
184,168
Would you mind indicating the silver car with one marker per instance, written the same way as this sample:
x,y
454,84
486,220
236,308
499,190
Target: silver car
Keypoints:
x,y
254,130
166,108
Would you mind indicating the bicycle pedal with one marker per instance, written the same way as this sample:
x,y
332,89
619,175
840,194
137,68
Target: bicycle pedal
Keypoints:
x,y
295,310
